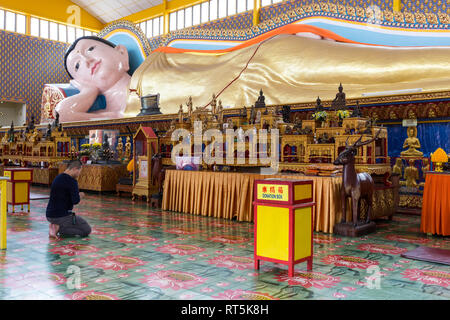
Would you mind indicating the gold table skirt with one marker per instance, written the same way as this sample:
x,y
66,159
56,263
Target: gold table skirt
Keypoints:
x,y
227,195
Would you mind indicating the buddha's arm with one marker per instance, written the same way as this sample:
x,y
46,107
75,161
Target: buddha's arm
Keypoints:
x,y
71,108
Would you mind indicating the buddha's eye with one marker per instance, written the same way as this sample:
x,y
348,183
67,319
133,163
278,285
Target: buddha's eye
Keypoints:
x,y
77,66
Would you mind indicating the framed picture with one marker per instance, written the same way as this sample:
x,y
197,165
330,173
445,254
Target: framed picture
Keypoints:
x,y
143,167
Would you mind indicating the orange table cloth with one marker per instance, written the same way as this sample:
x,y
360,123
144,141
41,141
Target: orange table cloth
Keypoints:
x,y
436,204
228,195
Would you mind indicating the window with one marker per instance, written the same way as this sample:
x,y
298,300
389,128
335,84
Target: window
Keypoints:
x,y
205,12
241,6
70,34
2,19
196,14
173,21
21,23
269,2
213,9
180,19
231,7
43,31
79,33
222,8
10,21
188,17
62,33
149,32
143,27
34,27
53,31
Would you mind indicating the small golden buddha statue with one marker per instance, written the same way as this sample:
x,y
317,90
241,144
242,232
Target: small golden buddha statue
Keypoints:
x,y
398,166
128,149
412,143
411,175
119,149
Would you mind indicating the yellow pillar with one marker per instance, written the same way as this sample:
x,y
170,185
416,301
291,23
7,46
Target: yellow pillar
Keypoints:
x,y
397,5
3,209
28,27
166,18
256,9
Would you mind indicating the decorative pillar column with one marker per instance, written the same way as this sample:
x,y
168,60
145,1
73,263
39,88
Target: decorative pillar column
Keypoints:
x,y
397,6
256,10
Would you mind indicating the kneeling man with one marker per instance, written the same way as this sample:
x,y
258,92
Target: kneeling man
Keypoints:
x,y
64,194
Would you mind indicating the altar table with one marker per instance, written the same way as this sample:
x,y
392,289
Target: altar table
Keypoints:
x,y
436,204
99,177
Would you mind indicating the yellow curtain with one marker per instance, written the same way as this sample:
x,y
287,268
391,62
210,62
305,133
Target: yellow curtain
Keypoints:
x,y
227,195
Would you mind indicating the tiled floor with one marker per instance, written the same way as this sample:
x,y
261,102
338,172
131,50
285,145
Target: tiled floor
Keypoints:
x,y
137,253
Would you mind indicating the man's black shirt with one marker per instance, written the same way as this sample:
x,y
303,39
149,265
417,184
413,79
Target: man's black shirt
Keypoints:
x,y
64,195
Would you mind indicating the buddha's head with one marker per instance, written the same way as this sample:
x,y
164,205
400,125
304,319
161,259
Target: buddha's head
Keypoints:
x,y
411,132
93,61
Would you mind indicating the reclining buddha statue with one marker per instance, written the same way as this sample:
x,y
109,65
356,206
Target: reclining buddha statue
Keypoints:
x,y
289,67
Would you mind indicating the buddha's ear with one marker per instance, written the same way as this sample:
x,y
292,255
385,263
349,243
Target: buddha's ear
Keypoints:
x,y
123,56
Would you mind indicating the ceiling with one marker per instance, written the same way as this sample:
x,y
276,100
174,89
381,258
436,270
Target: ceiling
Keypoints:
x,y
110,10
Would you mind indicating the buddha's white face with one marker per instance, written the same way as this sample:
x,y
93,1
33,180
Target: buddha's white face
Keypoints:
x,y
94,63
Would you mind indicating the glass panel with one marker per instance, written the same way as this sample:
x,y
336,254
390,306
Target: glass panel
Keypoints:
x,y
156,30
188,17
172,21
34,27
205,12
143,27
87,33
222,8
62,33
213,9
149,29
44,29
180,19
161,25
231,7
265,3
21,23
10,21
53,31
79,33
196,14
250,5
70,34
276,1
2,19
241,6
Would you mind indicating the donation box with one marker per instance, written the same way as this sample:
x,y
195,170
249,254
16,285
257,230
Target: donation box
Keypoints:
x,y
283,219
18,186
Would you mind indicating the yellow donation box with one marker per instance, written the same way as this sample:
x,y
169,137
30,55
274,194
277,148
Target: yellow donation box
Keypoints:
x,y
18,186
283,222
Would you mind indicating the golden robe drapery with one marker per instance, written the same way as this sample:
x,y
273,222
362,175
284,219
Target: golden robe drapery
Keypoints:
x,y
289,69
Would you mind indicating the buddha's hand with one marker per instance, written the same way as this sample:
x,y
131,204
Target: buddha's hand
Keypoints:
x,y
88,90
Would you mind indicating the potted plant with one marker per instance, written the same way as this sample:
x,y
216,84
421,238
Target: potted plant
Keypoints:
x,y
320,116
85,152
342,114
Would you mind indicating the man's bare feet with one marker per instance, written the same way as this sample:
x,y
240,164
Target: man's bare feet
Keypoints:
x,y
53,231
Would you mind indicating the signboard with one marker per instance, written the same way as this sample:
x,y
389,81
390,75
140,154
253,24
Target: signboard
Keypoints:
x,y
273,192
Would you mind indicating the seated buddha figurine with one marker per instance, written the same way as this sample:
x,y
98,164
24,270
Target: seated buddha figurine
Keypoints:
x,y
339,100
412,143
411,175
